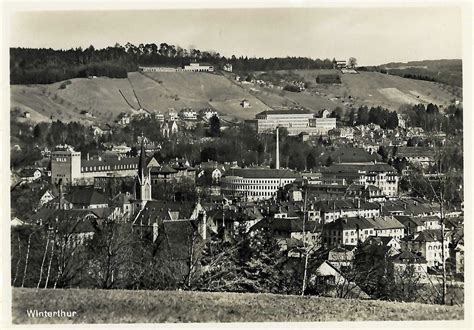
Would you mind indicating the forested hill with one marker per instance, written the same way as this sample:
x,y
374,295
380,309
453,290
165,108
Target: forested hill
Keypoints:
x,y
448,72
45,66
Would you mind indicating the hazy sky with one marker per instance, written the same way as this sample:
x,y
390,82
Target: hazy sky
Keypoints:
x,y
372,35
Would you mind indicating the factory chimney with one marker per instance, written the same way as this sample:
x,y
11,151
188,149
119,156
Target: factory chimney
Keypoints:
x,y
277,163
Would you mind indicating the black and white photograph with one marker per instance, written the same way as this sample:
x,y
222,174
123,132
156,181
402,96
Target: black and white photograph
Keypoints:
x,y
250,162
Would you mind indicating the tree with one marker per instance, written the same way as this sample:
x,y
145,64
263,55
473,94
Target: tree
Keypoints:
x,y
110,255
329,161
352,62
310,161
215,126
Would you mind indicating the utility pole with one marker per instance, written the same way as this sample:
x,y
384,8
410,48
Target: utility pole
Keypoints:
x,y
306,257
442,243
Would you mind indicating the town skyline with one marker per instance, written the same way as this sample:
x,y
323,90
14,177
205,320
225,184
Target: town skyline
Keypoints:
x,y
402,37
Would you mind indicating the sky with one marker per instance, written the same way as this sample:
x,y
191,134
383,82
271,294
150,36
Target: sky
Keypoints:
x,y
372,35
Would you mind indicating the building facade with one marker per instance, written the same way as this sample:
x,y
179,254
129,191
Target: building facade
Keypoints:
x,y
255,183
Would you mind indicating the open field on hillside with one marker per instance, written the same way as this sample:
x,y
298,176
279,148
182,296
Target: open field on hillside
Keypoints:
x,y
120,306
161,91
366,88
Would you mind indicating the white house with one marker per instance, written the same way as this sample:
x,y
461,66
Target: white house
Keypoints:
x,y
334,282
188,114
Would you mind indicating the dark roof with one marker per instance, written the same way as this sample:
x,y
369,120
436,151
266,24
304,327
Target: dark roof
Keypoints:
x,y
109,161
432,235
79,219
159,211
283,112
415,152
163,170
353,155
378,240
349,223
386,223
408,257
355,167
410,206
86,196
262,173
345,204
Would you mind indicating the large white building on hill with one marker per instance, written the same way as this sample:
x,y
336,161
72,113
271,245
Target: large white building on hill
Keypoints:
x,y
295,122
192,67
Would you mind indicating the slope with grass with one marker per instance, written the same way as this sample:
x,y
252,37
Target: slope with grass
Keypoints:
x,y
120,306
365,88
106,98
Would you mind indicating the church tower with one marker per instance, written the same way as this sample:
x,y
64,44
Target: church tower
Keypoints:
x,y
143,181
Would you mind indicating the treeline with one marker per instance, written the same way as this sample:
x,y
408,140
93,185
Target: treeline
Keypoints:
x,y
44,66
431,119
375,115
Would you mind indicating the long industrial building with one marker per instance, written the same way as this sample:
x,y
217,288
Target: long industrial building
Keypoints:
x,y
295,122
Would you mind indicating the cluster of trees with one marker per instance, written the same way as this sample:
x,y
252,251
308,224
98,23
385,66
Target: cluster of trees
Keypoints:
x,y
118,257
43,66
431,119
375,115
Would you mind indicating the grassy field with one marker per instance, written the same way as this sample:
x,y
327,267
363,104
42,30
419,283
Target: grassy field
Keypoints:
x,y
119,306
161,91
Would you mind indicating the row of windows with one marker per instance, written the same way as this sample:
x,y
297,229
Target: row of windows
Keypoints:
x,y
108,167
261,181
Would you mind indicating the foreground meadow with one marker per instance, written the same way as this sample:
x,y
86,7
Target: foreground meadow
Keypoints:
x,y
121,306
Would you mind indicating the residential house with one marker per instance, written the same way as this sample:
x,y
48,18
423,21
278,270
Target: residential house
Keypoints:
x,y
188,114
152,216
412,224
87,198
347,231
245,104
334,283
335,209
404,260
428,244
15,222
47,196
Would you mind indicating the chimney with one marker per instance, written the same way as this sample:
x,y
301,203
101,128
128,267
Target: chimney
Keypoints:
x,y
277,163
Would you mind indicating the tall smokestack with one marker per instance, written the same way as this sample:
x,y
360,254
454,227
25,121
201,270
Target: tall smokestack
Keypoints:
x,y
277,164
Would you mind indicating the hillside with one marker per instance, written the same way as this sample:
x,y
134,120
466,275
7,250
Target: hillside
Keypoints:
x,y
155,91
102,97
365,88
121,306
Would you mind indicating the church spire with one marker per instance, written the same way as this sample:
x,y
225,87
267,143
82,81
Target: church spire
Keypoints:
x,y
142,163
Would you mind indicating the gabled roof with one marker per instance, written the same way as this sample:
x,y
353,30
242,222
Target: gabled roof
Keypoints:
x,y
432,235
349,223
86,196
80,219
382,223
262,173
406,219
356,167
345,204
408,257
159,211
